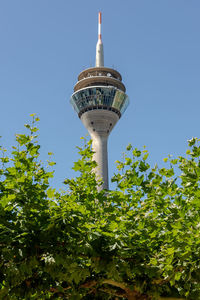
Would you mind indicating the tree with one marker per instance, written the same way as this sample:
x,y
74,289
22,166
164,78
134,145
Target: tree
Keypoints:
x,y
140,241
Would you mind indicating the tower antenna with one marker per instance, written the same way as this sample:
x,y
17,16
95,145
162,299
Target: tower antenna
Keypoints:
x,y
99,47
99,26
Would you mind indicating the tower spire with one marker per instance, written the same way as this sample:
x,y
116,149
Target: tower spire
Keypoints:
x,y
99,46
99,26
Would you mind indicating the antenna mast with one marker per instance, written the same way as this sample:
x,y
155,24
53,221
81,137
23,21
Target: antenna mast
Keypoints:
x,y
99,47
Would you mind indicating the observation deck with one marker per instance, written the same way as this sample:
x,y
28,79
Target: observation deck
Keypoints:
x,y
99,88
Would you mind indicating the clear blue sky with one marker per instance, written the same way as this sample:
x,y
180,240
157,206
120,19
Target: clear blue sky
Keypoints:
x,y
155,45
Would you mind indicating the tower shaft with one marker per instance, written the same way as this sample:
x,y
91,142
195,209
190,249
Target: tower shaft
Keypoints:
x,y
99,146
99,124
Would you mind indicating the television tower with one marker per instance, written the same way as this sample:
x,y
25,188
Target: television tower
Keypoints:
x,y
99,99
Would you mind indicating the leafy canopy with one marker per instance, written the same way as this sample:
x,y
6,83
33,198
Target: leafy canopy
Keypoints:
x,y
140,241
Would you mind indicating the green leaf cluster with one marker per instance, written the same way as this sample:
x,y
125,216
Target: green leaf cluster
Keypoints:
x,y
140,241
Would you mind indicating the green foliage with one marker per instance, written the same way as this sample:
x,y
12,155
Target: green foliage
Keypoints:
x,y
140,241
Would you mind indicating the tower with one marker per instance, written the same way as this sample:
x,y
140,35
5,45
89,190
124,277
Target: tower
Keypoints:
x,y
99,99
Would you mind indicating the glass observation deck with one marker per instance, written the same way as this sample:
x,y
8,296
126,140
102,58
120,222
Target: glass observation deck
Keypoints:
x,y
99,97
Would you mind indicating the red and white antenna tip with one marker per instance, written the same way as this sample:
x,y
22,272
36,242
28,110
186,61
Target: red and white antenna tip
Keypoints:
x,y
99,17
99,26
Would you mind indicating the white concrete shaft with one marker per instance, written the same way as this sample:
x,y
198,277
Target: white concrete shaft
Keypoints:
x,y
99,124
99,145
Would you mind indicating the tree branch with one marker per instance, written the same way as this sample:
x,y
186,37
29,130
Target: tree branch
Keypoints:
x,y
115,283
